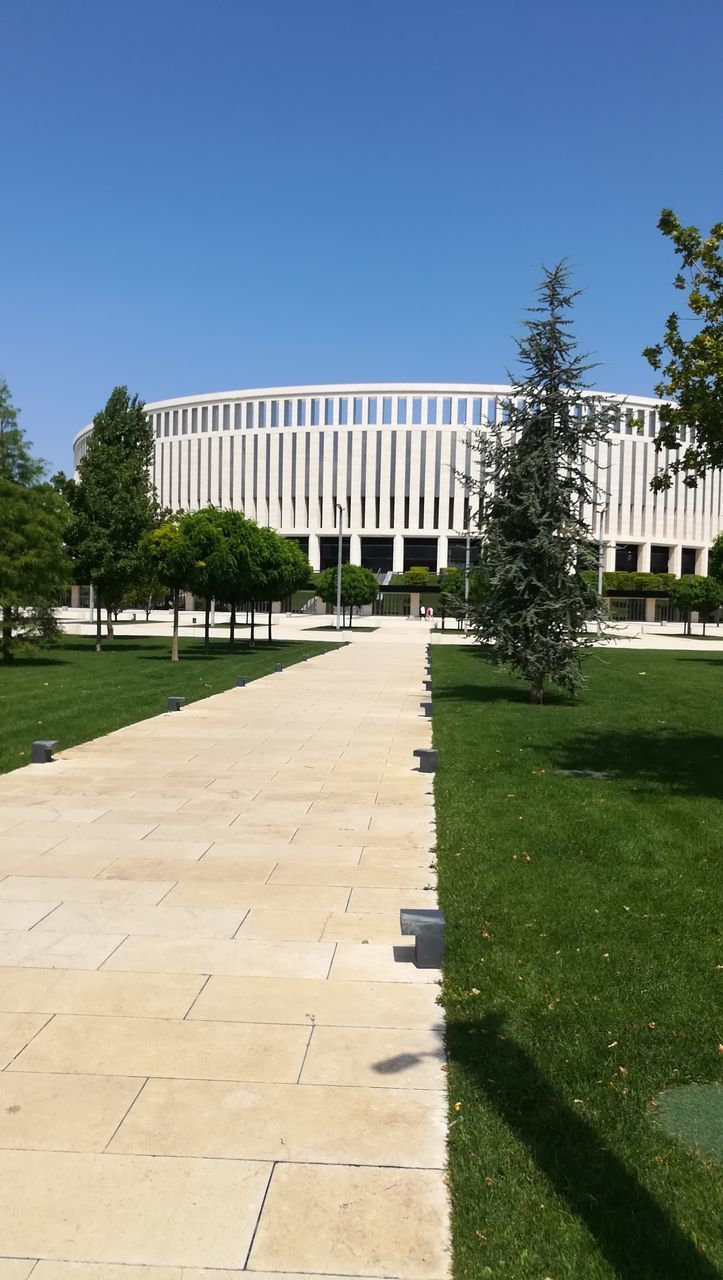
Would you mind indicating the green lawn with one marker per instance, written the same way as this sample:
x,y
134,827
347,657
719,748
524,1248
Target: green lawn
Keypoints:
x,y
583,931
73,693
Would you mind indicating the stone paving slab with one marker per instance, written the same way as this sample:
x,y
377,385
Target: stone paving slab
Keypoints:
x,y
216,1057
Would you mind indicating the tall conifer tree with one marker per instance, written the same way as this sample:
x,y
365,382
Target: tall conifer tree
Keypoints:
x,y
536,482
113,503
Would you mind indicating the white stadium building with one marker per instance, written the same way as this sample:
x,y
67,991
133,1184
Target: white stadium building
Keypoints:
x,y
390,454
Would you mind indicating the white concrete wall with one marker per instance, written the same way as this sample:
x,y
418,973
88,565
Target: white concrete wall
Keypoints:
x,y
213,449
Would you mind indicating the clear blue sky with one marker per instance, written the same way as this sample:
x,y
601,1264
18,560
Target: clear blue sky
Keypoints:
x,y
202,195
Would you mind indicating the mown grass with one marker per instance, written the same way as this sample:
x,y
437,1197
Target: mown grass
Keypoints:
x,y
73,693
583,932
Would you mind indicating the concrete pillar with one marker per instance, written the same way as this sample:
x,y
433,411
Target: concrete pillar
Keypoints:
x,y
398,558
609,549
649,609
314,552
414,604
674,562
442,551
354,548
188,600
75,597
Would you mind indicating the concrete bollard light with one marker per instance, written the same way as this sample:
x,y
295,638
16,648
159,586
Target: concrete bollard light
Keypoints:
x,y
41,751
427,757
175,704
428,685
279,667
426,707
240,682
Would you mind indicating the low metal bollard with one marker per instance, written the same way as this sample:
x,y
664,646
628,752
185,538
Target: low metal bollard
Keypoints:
x,y
426,926
279,667
427,757
175,704
41,751
240,682
426,707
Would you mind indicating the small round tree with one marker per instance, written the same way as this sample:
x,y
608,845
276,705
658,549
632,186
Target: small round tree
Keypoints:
x,y
358,587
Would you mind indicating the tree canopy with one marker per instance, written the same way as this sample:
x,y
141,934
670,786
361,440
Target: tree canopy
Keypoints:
x,y
359,586
33,565
113,501
691,367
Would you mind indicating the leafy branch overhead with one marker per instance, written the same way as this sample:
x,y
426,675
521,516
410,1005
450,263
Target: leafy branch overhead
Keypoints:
x,y
691,367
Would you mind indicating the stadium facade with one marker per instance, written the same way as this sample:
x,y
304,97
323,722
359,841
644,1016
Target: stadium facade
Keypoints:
x,y
391,454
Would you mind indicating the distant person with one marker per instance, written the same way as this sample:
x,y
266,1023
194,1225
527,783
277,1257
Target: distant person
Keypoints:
x,y
430,613
422,613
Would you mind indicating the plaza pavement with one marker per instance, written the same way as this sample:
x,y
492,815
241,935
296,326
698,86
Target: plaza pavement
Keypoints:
x,y
216,1055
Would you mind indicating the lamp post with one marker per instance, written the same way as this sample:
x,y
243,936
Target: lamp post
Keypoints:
x,y
340,510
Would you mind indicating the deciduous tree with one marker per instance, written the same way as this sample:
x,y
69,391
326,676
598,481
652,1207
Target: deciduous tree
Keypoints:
x,y
113,502
33,566
690,364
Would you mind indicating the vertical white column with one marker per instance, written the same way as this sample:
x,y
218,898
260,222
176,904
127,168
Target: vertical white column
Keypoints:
x,y
398,560
442,551
385,479
355,548
314,555
414,480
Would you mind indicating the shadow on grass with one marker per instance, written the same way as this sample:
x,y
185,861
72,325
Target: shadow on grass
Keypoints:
x,y
689,764
496,693
632,1231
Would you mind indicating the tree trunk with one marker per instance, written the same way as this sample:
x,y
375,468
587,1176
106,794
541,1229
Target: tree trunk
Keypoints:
x,y
536,692
174,641
7,637
109,623
207,625
232,627
270,604
149,603
98,621
253,623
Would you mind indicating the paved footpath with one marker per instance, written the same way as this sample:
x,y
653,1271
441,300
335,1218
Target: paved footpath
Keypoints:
x,y
213,1059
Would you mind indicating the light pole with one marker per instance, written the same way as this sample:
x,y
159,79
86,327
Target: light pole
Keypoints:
x,y
340,510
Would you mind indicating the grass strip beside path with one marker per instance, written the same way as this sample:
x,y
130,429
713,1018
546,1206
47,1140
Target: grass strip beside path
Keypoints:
x,y
74,694
583,930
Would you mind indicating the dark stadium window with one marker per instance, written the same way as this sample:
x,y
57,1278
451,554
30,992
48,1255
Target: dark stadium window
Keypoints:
x,y
328,411
417,411
477,412
688,558
432,410
237,417
447,410
226,417
421,513
451,514
391,512
166,423
287,413
274,413
626,557
357,411
204,419
406,513
402,410
372,411
363,505
436,514
301,413
175,422
214,417
461,413
194,422
343,411
249,416
659,559
387,410
377,510
158,436
314,412
184,422
262,414
651,423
